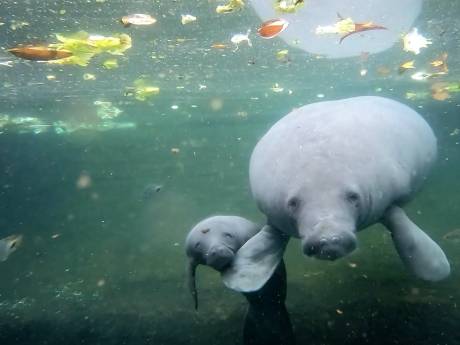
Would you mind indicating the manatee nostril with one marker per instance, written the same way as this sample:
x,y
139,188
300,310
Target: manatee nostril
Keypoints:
x,y
322,242
215,252
352,197
335,239
293,204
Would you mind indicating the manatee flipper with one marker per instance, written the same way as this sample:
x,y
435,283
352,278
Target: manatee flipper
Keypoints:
x,y
256,260
420,254
191,272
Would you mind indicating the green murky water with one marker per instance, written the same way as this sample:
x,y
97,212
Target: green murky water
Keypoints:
x,y
100,264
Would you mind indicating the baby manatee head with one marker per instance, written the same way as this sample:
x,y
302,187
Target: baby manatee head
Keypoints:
x,y
213,242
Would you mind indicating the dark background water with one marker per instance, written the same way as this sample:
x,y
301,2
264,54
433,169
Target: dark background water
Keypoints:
x,y
103,265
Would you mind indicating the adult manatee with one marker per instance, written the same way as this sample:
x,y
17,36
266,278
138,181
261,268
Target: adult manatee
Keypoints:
x,y
329,169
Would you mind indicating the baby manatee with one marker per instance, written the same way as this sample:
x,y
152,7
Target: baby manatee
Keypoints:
x,y
214,242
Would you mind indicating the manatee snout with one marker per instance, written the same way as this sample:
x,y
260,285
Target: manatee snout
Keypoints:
x,y
218,257
327,242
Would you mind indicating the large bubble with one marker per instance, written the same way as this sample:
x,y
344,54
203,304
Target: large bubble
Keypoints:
x,y
396,15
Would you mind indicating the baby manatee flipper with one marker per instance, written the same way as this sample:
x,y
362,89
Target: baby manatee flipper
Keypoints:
x,y
191,272
256,260
420,254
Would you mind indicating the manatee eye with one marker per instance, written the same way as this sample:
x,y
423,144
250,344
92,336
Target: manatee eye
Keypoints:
x,y
228,235
197,245
352,197
293,204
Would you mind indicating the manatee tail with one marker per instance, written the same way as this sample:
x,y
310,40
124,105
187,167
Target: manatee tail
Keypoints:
x,y
191,271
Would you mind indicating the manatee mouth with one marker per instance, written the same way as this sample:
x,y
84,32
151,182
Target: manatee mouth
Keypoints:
x,y
330,247
220,257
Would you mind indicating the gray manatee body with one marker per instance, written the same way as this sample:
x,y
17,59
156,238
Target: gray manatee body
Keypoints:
x,y
329,169
214,242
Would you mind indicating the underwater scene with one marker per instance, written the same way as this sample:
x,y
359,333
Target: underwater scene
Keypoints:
x,y
198,172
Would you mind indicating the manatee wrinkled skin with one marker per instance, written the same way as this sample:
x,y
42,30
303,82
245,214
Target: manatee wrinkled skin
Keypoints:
x,y
329,169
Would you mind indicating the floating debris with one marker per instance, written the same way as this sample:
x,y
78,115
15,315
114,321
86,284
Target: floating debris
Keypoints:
x,y
39,53
34,125
413,42
187,18
440,95
288,6
416,95
89,76
84,181
216,104
282,55
18,24
240,38
405,66
84,46
175,150
4,120
8,63
440,64
61,127
142,90
106,110
347,27
231,6
456,131
23,124
276,88
137,19
423,75
441,91
272,28
9,245
219,46
110,64
411,95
